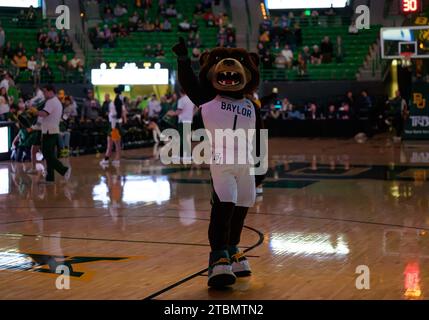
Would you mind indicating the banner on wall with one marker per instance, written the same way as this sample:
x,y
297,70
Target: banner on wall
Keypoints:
x,y
417,125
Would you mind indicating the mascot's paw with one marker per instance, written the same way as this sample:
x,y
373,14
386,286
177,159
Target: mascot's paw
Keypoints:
x,y
180,49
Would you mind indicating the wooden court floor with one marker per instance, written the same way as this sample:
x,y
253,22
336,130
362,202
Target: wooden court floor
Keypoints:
x,y
138,231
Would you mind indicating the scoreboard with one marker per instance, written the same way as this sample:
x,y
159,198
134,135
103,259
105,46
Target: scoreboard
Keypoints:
x,y
410,6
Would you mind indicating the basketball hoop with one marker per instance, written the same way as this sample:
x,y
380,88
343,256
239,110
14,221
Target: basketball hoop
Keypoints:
x,y
406,59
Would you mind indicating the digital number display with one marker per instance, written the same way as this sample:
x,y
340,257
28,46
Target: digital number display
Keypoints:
x,y
410,6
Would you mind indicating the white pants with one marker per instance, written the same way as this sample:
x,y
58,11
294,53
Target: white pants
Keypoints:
x,y
234,183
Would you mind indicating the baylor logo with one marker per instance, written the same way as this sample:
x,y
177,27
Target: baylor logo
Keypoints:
x,y
419,101
49,263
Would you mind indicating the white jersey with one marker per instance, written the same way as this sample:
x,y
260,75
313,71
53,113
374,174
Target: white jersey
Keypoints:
x,y
239,117
187,106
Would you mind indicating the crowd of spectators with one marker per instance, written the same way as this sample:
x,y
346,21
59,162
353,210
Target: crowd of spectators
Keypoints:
x,y
84,123
348,107
18,60
281,44
141,20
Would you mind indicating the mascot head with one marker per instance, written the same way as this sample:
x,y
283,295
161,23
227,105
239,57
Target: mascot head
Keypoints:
x,y
231,72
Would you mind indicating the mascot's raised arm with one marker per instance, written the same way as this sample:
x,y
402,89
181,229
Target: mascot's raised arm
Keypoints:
x,y
226,77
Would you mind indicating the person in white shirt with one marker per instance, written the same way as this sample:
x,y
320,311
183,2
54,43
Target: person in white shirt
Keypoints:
x,y
288,55
154,108
117,116
185,112
51,117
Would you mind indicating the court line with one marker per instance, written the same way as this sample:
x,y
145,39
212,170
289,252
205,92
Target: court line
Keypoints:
x,y
250,213
192,276
106,240
323,218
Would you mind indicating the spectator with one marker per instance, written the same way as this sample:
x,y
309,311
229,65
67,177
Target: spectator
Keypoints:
x,y
63,66
70,109
119,10
267,59
148,52
52,34
157,25
353,30
349,99
7,82
159,52
154,108
76,66
20,62
398,113
331,114
312,112
302,64
280,61
21,48
339,50
105,106
34,68
363,105
91,108
148,26
288,55
327,50
166,26
2,65
198,9
265,37
275,112
8,51
345,112
57,45
316,56
2,40
209,18
184,26
230,42
171,11
46,74
108,15
133,20
298,34
306,55
67,46
294,114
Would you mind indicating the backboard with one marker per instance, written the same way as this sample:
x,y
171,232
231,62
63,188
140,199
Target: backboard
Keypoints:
x,y
411,41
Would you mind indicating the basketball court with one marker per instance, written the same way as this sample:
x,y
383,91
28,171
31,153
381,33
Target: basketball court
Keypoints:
x,y
139,231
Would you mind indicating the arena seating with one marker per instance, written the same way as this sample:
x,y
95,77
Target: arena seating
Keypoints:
x,y
131,48
355,48
19,29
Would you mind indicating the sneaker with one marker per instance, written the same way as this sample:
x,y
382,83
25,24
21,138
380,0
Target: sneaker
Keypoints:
x,y
240,265
104,162
68,174
116,163
259,190
220,274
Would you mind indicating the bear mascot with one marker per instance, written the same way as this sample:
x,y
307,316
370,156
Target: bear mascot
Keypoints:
x,y
227,80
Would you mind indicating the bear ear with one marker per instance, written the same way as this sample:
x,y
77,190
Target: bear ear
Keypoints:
x,y
204,58
255,58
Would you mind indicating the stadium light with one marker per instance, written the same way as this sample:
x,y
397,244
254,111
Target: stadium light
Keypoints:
x,y
130,74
